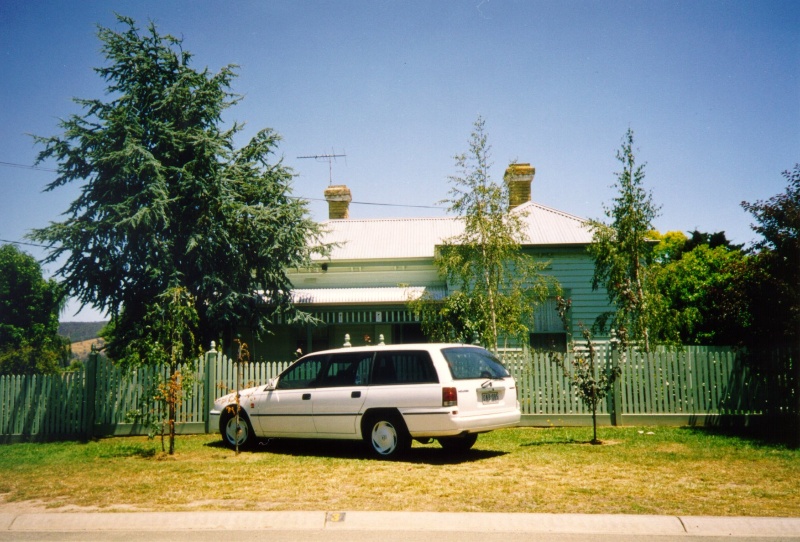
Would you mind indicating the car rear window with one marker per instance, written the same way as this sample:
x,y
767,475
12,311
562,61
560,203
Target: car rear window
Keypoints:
x,y
403,367
473,363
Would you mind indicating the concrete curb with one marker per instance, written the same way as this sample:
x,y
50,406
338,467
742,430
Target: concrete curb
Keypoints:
x,y
168,521
403,522
510,523
741,526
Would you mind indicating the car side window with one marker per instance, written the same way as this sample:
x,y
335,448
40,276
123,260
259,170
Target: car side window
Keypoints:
x,y
303,374
346,370
410,367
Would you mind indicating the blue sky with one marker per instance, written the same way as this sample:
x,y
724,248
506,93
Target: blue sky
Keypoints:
x,y
711,90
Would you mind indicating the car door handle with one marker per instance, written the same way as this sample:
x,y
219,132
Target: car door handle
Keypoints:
x,y
355,395
306,397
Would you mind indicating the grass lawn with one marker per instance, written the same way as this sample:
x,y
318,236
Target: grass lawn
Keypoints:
x,y
673,471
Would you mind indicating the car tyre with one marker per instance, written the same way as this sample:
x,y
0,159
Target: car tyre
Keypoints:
x,y
232,434
460,444
385,435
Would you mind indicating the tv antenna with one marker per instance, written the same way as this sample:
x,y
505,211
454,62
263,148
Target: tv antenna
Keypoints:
x,y
330,158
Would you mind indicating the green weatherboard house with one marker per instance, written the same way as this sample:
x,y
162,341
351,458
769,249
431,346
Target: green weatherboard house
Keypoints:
x,y
361,290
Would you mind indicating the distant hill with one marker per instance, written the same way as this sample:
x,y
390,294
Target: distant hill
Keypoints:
x,y
80,331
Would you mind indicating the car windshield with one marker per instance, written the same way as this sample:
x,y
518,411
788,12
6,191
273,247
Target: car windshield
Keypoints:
x,y
471,363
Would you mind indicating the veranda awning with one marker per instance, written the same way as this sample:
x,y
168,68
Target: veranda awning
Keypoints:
x,y
361,296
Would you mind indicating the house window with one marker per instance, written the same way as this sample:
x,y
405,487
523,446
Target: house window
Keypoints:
x,y
549,342
548,334
545,318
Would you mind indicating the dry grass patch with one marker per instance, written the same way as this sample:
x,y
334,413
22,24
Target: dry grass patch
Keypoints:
x,y
673,471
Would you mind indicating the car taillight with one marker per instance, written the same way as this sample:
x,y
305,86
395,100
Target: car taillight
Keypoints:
x,y
449,397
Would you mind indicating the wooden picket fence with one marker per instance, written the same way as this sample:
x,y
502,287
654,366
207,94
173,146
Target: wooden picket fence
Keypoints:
x,y
51,405
690,385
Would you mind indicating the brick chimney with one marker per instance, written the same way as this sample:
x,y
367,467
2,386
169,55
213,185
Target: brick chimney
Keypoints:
x,y
338,198
519,177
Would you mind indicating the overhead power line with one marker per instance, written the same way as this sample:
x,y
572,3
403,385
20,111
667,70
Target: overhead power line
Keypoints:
x,y
380,204
23,243
23,166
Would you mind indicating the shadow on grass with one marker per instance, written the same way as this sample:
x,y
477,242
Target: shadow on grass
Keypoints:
x,y
126,450
555,442
431,454
765,433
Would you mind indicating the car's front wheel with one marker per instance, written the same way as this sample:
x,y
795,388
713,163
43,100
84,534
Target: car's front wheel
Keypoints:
x,y
236,432
386,435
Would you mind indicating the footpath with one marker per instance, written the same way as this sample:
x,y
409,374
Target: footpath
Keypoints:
x,y
66,522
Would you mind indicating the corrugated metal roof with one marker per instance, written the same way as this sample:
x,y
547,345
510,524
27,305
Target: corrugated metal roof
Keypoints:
x,y
333,296
398,238
548,226
403,238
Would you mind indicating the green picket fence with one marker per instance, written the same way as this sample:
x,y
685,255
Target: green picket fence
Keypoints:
x,y
668,386
52,405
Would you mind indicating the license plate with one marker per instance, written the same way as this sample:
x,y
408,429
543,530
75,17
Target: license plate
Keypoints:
x,y
490,397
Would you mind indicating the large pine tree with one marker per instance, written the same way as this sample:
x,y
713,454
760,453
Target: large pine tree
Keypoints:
x,y
167,200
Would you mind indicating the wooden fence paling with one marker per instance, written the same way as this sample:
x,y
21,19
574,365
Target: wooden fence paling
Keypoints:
x,y
669,378
651,381
530,379
694,382
679,386
713,369
4,415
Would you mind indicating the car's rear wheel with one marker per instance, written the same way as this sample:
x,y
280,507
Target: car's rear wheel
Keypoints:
x,y
386,435
459,444
236,432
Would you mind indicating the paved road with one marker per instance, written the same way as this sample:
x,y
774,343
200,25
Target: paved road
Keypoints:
x,y
389,526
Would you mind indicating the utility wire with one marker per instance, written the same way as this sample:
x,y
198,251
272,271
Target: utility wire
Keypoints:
x,y
23,243
23,166
381,204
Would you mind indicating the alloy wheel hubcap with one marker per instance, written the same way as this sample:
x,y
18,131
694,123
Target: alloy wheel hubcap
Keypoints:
x,y
384,438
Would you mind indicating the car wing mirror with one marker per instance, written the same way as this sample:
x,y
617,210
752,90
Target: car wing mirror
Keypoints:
x,y
271,384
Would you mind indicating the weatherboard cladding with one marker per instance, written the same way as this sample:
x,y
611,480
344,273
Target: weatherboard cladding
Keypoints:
x,y
410,238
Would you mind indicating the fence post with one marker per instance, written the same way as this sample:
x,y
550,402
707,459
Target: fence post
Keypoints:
x,y
209,387
90,392
615,393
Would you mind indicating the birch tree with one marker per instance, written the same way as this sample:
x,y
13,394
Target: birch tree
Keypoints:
x,y
622,251
496,285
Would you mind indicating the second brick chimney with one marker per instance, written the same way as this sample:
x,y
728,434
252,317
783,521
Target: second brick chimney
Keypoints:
x,y
519,178
338,198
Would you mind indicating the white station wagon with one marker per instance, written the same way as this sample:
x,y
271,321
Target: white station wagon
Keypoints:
x,y
383,395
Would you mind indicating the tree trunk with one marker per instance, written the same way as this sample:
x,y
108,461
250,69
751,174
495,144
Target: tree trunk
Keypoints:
x,y
171,400
490,293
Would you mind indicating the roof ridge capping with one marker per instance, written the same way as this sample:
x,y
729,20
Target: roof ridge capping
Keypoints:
x,y
394,219
525,206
